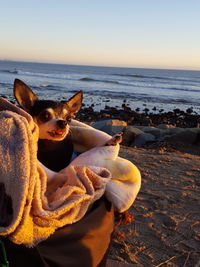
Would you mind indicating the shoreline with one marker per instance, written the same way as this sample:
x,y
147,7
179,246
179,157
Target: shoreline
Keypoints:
x,y
176,117
116,100
95,109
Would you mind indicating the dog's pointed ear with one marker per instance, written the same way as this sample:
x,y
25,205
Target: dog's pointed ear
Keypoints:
x,y
75,102
24,95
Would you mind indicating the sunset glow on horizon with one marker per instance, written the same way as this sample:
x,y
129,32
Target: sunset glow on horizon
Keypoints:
x,y
151,34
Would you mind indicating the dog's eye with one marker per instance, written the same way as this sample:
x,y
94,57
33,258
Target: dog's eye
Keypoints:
x,y
45,116
68,119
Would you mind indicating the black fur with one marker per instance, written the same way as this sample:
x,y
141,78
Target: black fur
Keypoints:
x,y
55,155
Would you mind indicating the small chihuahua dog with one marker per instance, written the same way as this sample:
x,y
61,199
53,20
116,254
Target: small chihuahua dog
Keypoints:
x,y
55,147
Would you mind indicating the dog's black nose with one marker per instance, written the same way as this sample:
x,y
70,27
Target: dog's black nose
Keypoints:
x,y
61,124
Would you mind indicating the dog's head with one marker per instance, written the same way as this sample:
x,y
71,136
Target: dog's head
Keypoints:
x,y
52,117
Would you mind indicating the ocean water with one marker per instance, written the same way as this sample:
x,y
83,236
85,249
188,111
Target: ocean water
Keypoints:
x,y
111,86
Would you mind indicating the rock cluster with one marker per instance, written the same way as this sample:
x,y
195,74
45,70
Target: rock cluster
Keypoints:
x,y
176,117
139,136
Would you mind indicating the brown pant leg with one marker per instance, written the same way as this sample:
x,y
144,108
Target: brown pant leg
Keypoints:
x,y
82,244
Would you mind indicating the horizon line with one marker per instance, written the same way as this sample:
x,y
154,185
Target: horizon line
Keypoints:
x,y
92,65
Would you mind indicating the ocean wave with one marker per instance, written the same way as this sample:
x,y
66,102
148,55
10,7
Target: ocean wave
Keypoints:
x,y
135,77
115,94
179,89
47,86
88,79
50,91
178,79
15,71
139,76
36,74
141,97
6,84
159,87
44,75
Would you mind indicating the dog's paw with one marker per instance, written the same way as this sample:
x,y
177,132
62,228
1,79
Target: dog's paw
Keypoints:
x,y
116,139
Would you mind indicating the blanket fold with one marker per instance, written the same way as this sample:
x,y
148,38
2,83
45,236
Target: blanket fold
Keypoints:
x,y
34,200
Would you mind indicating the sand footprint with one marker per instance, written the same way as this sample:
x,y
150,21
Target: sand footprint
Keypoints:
x,y
162,220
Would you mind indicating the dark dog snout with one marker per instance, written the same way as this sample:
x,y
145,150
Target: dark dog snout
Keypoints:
x,y
61,124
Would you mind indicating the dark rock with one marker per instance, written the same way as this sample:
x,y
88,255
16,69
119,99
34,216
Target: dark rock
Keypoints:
x,y
177,118
130,120
189,110
152,130
105,115
146,110
142,139
188,136
110,126
130,134
165,126
177,111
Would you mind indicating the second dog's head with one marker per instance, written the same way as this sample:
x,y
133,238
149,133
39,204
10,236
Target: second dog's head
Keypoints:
x,y
52,117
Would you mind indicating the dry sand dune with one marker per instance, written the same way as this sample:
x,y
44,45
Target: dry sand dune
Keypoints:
x,y
166,226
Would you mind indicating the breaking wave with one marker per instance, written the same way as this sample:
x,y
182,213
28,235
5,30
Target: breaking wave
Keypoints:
x,y
168,78
88,79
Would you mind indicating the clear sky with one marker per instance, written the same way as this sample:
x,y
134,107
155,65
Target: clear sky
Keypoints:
x,y
132,33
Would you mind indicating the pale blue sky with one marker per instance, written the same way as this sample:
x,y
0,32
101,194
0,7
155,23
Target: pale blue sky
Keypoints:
x,y
137,33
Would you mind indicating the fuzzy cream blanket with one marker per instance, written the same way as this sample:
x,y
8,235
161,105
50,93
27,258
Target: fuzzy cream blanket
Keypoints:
x,y
35,201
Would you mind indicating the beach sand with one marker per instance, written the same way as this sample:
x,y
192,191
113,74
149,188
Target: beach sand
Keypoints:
x,y
165,230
